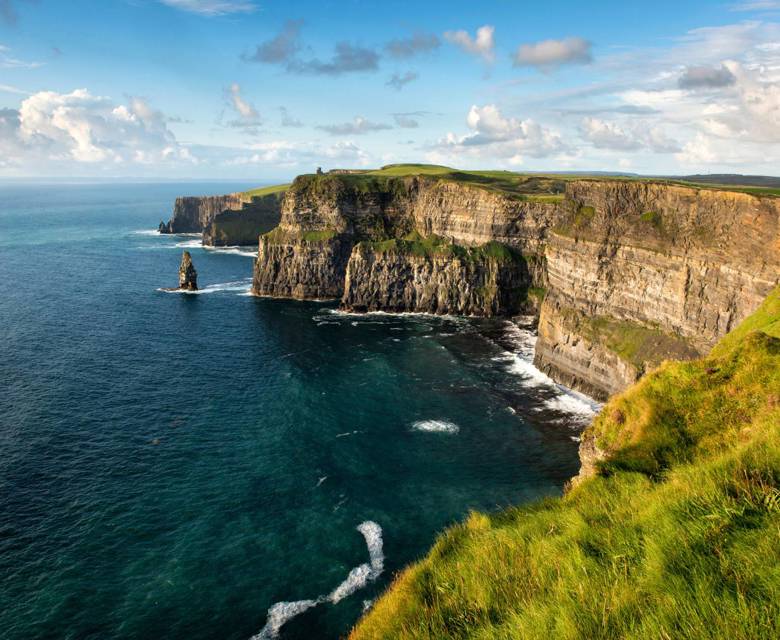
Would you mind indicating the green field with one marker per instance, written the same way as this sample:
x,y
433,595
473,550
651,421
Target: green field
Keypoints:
x,y
676,537
266,191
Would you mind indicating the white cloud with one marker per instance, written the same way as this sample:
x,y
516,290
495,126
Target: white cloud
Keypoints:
x,y
608,135
247,116
77,127
550,54
495,136
757,5
482,45
212,7
639,135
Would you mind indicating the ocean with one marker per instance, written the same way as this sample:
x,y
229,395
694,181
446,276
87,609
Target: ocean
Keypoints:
x,y
220,466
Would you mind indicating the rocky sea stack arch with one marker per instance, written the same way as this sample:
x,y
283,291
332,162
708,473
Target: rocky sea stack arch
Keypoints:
x,y
188,276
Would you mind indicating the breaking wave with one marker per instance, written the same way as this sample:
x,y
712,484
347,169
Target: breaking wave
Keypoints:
x,y
359,577
435,426
239,285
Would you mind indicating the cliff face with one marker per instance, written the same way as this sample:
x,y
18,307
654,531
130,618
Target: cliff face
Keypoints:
x,y
636,272
399,278
243,225
314,252
192,214
687,262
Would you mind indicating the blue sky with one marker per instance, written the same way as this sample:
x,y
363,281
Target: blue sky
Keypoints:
x,y
265,89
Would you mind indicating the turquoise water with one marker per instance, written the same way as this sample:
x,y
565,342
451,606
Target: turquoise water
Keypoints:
x,y
172,465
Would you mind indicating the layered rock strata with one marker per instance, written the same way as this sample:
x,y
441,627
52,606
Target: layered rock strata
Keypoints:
x,y
192,214
338,224
635,271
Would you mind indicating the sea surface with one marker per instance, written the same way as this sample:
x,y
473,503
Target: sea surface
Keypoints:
x,y
176,466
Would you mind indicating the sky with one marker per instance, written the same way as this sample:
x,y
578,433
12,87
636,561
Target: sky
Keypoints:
x,y
264,89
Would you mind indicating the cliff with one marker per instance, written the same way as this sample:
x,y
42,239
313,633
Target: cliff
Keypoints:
x,y
412,243
683,263
670,531
192,214
243,226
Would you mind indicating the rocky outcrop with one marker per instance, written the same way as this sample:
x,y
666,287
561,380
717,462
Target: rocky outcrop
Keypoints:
x,y
193,214
689,262
188,277
243,226
441,280
325,217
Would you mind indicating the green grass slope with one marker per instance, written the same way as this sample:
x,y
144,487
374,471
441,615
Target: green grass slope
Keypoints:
x,y
676,537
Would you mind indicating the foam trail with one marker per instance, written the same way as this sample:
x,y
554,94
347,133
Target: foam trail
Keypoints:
x,y
280,613
238,285
435,426
146,232
359,577
372,532
238,251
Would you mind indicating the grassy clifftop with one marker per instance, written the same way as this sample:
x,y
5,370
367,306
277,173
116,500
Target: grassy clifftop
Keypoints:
x,y
676,536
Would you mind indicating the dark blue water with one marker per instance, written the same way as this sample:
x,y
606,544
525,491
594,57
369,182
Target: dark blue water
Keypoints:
x,y
173,465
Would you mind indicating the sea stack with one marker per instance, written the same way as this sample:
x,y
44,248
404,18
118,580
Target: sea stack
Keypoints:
x,y
188,277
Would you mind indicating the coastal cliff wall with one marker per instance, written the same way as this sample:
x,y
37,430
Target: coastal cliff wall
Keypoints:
x,y
636,272
242,226
685,265
192,214
332,242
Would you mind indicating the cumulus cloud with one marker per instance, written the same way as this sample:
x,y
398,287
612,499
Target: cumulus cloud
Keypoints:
x,y
547,55
79,127
611,135
212,7
482,44
358,126
399,81
284,49
288,120
706,78
495,136
409,47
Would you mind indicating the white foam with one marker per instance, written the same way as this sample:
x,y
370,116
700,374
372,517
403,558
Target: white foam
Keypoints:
x,y
146,232
579,407
280,613
237,251
321,480
238,285
359,577
435,426
372,532
356,580
189,244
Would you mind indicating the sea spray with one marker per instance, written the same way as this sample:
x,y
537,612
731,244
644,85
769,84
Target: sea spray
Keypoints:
x,y
359,577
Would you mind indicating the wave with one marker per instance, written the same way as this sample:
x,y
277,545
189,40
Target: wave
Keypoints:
x,y
359,577
146,232
238,285
236,251
188,244
435,426
579,407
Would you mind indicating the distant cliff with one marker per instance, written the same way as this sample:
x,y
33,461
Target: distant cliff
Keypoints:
x,y
635,271
192,214
228,220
